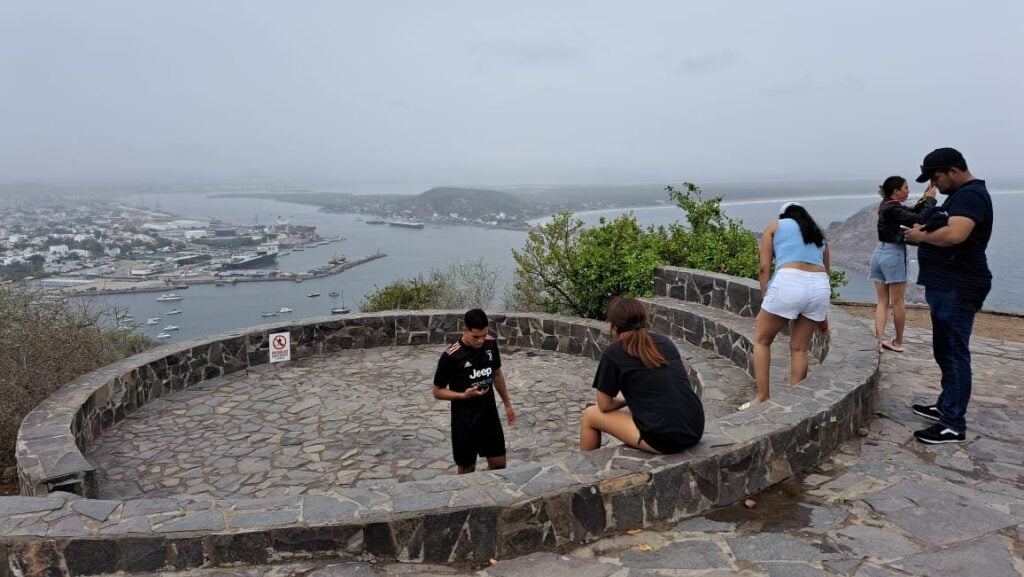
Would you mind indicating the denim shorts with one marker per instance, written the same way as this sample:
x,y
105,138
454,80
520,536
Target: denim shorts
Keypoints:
x,y
888,263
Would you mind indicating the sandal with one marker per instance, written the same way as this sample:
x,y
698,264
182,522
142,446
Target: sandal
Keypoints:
x,y
892,346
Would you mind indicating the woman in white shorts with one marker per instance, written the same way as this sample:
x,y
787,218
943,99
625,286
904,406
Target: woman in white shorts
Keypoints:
x,y
799,292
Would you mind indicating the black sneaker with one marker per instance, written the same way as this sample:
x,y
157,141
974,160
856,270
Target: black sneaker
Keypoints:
x,y
927,411
938,434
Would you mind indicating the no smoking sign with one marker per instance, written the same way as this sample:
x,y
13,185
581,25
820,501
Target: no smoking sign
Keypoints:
x,y
280,347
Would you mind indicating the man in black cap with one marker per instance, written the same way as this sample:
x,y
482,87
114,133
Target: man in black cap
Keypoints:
x,y
955,275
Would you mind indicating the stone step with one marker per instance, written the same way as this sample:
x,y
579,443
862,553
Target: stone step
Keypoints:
x,y
722,334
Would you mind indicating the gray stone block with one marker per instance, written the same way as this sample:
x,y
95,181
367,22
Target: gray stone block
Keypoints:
x,y
992,556
95,508
874,542
144,554
249,548
551,565
776,547
680,555
20,505
91,557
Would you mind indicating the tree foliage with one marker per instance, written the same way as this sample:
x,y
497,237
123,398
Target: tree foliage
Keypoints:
x,y
567,268
462,285
47,344
710,239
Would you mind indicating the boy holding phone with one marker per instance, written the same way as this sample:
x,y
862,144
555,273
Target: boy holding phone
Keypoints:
x,y
467,374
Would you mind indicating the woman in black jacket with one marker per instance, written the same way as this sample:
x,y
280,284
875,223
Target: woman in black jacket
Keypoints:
x,y
889,261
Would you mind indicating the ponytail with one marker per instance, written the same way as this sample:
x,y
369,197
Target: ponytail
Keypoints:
x,y
629,317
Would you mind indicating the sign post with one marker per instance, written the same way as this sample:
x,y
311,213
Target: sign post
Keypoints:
x,y
280,347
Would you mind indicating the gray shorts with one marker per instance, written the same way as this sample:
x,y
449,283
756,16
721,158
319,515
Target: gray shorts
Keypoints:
x,y
888,263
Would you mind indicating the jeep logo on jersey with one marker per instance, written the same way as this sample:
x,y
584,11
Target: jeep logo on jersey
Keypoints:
x,y
485,372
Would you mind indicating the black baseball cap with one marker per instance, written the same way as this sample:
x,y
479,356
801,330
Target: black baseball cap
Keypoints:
x,y
939,159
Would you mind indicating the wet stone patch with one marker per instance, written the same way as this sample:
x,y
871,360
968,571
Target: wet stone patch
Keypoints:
x,y
355,418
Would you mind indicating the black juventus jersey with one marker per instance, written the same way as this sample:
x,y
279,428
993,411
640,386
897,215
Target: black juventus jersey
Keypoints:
x,y
462,366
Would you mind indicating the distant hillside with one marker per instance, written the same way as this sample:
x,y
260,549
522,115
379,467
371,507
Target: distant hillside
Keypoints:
x,y
852,241
446,200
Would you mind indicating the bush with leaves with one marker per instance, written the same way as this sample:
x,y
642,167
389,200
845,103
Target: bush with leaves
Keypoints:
x,y
462,285
45,345
566,268
710,239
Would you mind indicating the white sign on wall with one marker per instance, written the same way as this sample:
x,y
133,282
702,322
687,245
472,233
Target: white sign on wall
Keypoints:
x,y
280,347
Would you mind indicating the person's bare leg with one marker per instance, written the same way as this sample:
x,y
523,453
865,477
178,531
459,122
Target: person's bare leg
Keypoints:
x,y
464,470
799,347
899,310
618,424
496,462
590,437
768,326
881,311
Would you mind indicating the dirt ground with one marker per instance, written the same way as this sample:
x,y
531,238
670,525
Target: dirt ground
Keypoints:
x,y
1000,326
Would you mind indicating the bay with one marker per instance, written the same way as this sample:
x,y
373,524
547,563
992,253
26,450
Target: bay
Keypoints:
x,y
209,309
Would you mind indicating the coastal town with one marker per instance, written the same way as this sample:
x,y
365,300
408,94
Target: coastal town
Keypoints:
x,y
95,247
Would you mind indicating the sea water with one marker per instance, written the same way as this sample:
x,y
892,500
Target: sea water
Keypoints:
x,y
209,309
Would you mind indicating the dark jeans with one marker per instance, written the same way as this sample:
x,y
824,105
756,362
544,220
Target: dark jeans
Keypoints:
x,y
952,323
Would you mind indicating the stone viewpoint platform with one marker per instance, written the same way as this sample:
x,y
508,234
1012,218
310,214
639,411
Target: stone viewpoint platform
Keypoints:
x,y
202,455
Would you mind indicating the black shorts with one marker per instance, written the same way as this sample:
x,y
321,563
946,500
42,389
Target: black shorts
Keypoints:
x,y
668,444
477,435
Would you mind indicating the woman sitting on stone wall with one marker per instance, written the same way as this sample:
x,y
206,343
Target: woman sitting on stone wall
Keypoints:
x,y
665,415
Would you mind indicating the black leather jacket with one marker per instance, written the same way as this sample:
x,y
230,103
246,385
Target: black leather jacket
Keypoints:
x,y
892,214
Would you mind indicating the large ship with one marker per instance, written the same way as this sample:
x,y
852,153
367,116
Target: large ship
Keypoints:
x,y
263,256
405,223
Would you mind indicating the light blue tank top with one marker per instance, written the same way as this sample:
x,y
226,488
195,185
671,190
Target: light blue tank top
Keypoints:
x,y
790,247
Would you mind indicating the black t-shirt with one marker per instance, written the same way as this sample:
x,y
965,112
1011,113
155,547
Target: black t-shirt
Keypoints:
x,y
462,366
661,399
962,267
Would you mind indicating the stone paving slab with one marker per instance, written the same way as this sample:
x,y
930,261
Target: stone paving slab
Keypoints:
x,y
357,418
841,518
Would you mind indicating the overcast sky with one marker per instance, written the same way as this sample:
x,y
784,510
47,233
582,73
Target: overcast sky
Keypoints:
x,y
503,93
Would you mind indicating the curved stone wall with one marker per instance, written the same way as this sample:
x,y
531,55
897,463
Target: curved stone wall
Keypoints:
x,y
469,518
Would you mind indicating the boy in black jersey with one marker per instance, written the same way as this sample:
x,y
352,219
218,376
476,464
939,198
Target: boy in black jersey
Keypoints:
x,y
467,375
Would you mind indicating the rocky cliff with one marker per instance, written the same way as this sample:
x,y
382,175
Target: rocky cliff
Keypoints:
x,y
852,242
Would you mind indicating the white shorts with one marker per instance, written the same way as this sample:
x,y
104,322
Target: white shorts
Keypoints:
x,y
794,292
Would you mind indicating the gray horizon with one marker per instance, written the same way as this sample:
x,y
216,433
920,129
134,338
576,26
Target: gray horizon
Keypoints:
x,y
573,93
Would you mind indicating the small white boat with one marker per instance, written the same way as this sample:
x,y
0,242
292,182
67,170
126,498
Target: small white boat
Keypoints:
x,y
163,336
170,328
335,309
313,295
174,312
169,297
153,321
270,314
283,310
334,294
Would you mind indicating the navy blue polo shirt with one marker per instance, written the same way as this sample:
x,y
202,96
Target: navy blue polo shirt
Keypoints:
x,y
962,267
